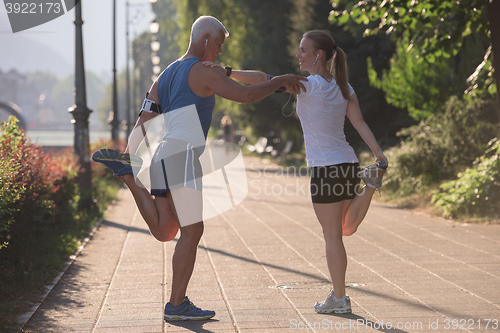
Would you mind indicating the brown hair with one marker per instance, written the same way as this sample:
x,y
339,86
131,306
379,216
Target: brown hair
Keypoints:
x,y
337,58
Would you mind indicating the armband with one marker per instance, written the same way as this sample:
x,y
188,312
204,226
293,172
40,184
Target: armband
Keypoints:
x,y
150,106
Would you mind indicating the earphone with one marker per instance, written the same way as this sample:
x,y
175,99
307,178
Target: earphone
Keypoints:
x,y
314,63
206,42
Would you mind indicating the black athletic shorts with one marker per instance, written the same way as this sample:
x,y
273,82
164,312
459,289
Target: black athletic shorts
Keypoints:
x,y
334,183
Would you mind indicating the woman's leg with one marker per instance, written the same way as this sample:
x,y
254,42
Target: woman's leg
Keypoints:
x,y
159,215
330,218
354,211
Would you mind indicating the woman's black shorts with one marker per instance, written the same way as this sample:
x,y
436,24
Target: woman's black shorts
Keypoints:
x,y
334,183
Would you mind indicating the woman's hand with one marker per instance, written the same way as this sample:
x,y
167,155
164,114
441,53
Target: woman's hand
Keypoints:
x,y
213,65
381,157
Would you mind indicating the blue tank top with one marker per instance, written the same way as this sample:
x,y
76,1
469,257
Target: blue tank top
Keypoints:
x,y
176,95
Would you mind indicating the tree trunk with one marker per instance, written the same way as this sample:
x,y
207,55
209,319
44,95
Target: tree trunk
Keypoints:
x,y
493,17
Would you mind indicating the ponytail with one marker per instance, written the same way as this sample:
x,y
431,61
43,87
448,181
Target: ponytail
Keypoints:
x,y
338,67
335,56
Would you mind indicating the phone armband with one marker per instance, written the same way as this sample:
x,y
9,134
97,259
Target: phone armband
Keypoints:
x,y
150,106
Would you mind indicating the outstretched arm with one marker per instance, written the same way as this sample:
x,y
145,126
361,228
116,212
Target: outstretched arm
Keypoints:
x,y
356,118
216,81
245,76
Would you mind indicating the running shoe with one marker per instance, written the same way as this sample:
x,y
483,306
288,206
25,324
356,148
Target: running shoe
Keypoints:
x,y
372,175
334,305
120,164
186,311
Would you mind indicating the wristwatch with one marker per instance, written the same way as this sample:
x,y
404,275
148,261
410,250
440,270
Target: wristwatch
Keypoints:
x,y
228,71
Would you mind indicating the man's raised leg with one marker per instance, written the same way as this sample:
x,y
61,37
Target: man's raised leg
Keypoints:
x,y
156,211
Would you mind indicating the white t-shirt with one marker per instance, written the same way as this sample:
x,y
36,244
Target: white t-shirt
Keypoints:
x,y
322,111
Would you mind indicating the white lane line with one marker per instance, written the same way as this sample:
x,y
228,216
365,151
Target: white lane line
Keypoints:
x,y
165,290
482,236
433,251
361,264
428,271
302,257
221,288
257,260
444,238
118,262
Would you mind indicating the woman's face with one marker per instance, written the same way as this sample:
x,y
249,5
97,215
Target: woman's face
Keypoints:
x,y
306,55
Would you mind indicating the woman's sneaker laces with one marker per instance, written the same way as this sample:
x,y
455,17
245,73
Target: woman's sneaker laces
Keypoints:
x,y
334,305
372,175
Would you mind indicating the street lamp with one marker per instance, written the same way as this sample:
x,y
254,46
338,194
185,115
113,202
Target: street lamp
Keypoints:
x,y
155,45
154,26
113,114
81,113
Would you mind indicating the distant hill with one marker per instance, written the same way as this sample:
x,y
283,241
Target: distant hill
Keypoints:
x,y
25,55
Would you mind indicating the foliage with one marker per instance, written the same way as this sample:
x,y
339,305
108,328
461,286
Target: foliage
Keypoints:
x,y
442,49
420,86
10,192
437,29
39,215
265,36
440,146
477,189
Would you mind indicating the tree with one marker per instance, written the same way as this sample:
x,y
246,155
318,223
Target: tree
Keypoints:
x,y
436,29
384,120
258,40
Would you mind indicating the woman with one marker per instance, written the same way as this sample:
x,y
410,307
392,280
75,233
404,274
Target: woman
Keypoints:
x,y
338,202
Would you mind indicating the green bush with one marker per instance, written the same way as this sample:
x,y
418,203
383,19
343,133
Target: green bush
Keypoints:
x,y
439,147
39,216
476,192
10,192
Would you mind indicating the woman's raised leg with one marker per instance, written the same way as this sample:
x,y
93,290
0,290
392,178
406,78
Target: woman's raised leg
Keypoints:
x,y
354,211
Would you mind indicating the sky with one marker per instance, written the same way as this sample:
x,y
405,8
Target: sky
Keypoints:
x,y
51,46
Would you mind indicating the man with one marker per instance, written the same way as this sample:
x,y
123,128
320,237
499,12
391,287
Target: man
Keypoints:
x,y
185,88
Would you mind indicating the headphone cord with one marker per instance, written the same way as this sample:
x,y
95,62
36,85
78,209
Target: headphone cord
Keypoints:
x,y
283,110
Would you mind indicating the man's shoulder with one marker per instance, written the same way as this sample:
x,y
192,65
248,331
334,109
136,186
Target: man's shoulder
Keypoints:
x,y
204,73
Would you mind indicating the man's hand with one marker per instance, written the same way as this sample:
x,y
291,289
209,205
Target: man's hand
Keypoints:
x,y
292,83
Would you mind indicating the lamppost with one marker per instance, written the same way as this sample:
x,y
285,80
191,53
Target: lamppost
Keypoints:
x,y
81,113
154,27
113,114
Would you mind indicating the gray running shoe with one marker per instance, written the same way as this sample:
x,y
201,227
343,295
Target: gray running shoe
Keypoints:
x,y
186,311
334,305
120,164
373,174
